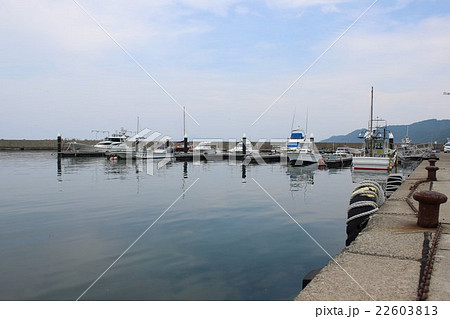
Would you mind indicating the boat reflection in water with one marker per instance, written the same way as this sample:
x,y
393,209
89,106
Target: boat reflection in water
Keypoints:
x,y
405,169
301,176
378,176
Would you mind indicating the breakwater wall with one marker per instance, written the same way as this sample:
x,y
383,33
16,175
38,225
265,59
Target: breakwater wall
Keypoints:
x,y
387,259
51,145
35,145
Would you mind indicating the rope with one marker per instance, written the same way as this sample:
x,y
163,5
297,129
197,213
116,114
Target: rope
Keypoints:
x,y
362,204
369,183
361,215
363,192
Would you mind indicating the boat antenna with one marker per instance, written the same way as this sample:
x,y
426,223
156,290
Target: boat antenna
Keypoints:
x,y
371,111
293,119
137,126
306,129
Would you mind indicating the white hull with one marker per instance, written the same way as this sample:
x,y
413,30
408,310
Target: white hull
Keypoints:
x,y
124,154
154,155
300,158
79,147
371,163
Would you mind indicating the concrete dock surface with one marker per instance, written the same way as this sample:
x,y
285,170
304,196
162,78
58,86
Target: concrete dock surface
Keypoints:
x,y
384,262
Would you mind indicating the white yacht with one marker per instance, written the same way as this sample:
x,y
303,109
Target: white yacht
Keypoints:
x,y
107,144
206,148
239,148
111,141
156,153
301,151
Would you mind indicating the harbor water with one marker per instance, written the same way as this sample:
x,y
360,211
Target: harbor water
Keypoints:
x,y
225,232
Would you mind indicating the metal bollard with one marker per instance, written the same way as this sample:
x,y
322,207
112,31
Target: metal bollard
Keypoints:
x,y
431,173
429,202
432,161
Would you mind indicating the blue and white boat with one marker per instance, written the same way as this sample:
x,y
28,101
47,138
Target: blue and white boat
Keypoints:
x,y
301,151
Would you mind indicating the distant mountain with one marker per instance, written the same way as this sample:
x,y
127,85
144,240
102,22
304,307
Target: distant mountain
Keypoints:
x,y
420,132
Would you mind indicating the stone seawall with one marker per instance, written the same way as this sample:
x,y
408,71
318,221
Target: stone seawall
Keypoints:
x,y
34,145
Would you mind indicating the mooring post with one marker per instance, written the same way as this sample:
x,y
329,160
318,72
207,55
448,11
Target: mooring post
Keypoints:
x,y
244,144
432,161
429,202
432,173
59,143
185,143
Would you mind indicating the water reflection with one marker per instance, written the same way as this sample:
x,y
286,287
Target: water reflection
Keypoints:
x,y
222,233
301,176
118,169
185,170
335,171
405,169
379,176
58,165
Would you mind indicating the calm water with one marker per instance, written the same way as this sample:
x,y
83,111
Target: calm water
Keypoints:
x,y
224,239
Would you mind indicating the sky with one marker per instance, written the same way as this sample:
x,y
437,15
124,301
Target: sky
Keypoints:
x,y
74,66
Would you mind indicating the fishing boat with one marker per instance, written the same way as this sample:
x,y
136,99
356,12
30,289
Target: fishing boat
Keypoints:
x,y
301,151
378,146
339,159
407,151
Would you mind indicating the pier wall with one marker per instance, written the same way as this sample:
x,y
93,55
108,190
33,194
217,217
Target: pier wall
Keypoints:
x,y
385,261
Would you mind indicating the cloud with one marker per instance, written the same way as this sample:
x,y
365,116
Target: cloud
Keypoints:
x,y
408,66
67,27
304,3
218,7
241,10
330,8
59,22
221,61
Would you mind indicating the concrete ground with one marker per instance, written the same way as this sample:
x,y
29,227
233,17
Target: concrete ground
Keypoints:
x,y
384,262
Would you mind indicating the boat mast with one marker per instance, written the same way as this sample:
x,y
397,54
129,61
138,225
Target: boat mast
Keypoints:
x,y
184,121
371,125
185,139
306,129
293,119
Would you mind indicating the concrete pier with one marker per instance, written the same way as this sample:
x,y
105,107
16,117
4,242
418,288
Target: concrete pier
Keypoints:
x,y
386,260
